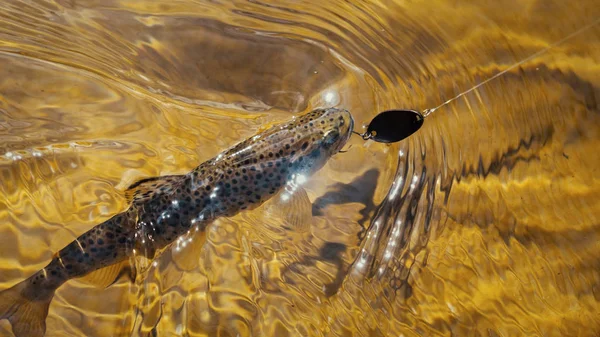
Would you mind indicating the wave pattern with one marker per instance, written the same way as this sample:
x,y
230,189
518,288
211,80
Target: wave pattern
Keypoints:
x,y
484,223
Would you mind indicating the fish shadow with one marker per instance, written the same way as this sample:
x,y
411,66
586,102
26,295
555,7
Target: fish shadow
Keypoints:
x,y
360,190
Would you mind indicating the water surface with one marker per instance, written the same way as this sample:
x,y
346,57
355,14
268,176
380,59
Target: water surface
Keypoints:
x,y
485,223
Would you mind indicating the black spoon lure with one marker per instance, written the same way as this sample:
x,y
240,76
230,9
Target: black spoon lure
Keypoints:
x,y
393,126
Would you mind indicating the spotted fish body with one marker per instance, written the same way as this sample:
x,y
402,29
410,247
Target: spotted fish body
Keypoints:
x,y
164,208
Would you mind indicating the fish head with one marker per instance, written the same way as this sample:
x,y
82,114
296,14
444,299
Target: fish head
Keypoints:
x,y
323,129
311,139
302,145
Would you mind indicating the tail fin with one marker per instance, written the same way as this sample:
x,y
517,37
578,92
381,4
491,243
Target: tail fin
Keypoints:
x,y
27,316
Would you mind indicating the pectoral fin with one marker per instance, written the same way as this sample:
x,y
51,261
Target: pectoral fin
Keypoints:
x,y
294,208
107,276
187,252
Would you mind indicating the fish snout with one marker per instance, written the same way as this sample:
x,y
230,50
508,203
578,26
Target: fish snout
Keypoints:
x,y
340,128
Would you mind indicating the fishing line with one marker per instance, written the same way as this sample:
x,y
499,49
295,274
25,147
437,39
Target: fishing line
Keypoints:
x,y
427,112
394,125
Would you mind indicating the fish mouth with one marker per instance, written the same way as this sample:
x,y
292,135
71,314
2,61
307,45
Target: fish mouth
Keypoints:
x,y
350,127
346,132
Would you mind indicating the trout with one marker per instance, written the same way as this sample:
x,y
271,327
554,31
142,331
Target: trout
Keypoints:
x,y
164,208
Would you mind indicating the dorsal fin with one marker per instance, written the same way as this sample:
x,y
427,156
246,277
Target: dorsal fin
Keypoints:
x,y
147,187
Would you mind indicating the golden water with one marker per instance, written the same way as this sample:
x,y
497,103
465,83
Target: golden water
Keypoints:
x,y
485,223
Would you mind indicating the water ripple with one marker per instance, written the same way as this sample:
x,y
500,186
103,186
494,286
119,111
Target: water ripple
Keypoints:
x,y
483,223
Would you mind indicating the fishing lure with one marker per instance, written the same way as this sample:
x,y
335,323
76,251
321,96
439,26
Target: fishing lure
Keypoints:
x,y
393,126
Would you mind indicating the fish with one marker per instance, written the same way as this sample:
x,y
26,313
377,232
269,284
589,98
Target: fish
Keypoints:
x,y
162,209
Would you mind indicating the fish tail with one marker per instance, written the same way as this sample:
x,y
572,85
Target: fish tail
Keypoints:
x,y
26,308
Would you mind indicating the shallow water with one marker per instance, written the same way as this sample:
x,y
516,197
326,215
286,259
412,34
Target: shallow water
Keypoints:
x,y
484,223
